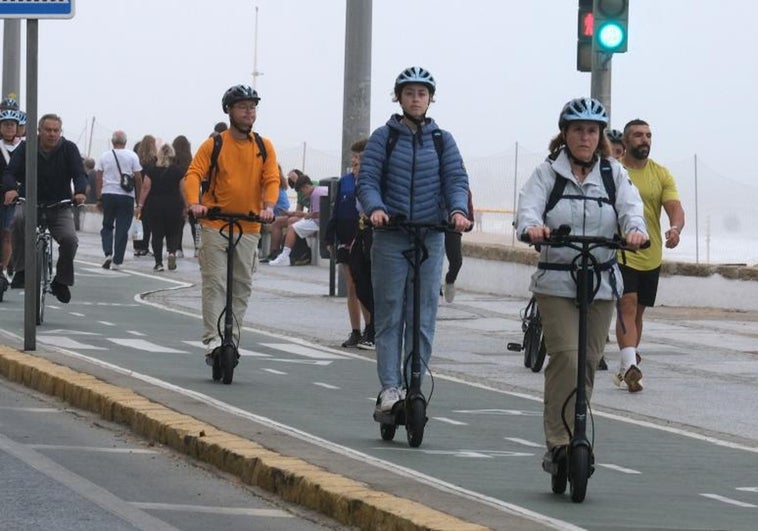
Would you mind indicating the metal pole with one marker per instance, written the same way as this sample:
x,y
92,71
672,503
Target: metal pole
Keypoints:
x,y
304,149
601,79
697,224
356,102
515,195
12,57
30,255
91,135
255,52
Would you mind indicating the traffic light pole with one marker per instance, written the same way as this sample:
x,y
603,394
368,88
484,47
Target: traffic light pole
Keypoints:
x,y
600,88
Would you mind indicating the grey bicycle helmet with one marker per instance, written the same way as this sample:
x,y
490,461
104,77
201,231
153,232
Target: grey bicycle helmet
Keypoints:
x,y
588,109
415,74
236,94
21,117
615,136
8,104
9,114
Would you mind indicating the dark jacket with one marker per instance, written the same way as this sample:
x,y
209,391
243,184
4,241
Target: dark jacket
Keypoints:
x,y
56,171
343,224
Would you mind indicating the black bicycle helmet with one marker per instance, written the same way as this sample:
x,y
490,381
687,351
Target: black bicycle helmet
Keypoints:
x,y
9,104
615,136
415,74
236,94
588,109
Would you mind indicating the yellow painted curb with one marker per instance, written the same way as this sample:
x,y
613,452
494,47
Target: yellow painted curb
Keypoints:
x,y
343,499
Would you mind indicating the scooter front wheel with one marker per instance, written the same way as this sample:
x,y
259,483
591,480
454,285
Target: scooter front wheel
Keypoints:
x,y
415,421
579,472
228,359
387,431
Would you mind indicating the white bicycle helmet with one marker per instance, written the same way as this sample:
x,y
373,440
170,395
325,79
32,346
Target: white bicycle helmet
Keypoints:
x,y
588,109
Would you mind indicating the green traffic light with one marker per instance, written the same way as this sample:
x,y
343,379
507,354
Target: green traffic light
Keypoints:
x,y
610,36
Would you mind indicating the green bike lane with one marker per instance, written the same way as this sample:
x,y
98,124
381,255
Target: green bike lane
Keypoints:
x,y
482,447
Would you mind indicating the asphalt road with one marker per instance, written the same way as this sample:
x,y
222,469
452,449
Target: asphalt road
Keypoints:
x,y
680,455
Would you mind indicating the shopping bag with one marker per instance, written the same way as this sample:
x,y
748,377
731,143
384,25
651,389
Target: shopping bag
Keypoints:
x,y
135,231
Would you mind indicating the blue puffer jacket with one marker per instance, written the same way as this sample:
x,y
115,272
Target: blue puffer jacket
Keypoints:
x,y
414,183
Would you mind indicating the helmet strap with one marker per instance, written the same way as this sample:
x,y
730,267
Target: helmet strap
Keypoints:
x,y
418,122
584,165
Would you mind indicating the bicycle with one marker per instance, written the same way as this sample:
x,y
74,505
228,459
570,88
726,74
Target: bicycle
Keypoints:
x,y
226,357
578,465
411,411
533,344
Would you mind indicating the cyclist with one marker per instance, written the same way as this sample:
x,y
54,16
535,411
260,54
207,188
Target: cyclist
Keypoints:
x,y
59,168
575,155
641,270
243,181
616,138
8,143
425,186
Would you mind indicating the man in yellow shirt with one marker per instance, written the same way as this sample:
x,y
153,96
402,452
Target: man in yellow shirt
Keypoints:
x,y
641,269
243,180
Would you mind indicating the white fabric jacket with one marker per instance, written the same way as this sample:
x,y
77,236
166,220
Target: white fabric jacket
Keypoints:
x,y
585,217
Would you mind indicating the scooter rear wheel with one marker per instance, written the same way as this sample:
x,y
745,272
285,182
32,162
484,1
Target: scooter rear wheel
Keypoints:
x,y
387,431
415,422
579,472
216,368
228,361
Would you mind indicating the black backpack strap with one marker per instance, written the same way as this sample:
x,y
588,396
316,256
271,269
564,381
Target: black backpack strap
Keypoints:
x,y
555,194
439,145
606,172
261,146
217,143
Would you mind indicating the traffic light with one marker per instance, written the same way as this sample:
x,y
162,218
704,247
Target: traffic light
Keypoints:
x,y
611,25
585,24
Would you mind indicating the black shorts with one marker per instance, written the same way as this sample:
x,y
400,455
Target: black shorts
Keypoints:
x,y
643,283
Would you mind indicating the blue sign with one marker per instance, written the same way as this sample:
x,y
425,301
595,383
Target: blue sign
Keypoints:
x,y
36,8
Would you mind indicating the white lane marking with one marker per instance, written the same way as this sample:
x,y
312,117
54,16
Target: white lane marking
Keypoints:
x,y
451,421
476,454
274,371
619,468
747,489
242,351
236,511
31,409
70,332
82,486
729,501
66,342
106,323
136,333
302,350
510,412
524,442
351,453
148,346
76,314
325,385
322,363
95,449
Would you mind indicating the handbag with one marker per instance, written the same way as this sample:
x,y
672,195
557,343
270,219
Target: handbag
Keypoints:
x,y
126,179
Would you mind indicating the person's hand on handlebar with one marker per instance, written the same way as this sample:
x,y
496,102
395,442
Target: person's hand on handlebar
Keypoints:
x,y
267,215
635,239
10,197
79,199
460,222
379,218
198,210
537,234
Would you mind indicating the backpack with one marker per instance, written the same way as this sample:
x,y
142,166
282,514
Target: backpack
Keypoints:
x,y
556,194
300,253
217,143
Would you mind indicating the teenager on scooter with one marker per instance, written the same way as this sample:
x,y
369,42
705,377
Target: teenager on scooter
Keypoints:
x,y
243,181
408,177
576,154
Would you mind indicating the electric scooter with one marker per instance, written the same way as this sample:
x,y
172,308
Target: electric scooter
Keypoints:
x,y
411,411
226,357
579,462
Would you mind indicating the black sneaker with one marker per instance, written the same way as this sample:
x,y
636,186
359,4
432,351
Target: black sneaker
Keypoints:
x,y
602,365
352,340
107,263
18,280
61,291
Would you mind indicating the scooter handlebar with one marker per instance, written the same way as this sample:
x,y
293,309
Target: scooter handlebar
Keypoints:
x,y
562,236
400,220
216,213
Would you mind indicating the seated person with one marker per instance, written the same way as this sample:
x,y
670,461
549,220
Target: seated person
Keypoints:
x,y
308,224
278,228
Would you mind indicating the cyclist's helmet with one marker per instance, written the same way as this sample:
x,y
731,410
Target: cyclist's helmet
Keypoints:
x,y
8,104
615,136
21,117
415,74
588,109
236,94
8,114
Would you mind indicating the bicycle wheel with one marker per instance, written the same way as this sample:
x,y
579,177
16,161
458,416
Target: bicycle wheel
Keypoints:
x,y
41,281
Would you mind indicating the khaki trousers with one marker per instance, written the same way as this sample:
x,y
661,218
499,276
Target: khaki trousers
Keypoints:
x,y
212,259
560,321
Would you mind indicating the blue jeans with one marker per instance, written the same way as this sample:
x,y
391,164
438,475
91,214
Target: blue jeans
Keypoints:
x,y
392,277
118,209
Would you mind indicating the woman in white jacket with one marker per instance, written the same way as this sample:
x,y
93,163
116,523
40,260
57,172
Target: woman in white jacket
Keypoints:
x,y
580,154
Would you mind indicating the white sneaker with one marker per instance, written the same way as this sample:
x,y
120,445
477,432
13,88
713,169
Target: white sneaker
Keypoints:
x,y
388,398
449,290
618,379
210,346
280,260
115,266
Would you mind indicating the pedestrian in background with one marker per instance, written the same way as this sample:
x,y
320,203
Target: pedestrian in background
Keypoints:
x,y
182,159
147,151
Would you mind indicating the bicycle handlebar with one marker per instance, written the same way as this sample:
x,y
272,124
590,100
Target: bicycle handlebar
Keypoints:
x,y
55,204
217,214
401,221
562,236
